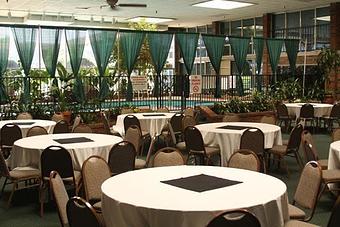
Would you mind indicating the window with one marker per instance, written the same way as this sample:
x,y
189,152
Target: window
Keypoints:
x,y
236,28
248,27
258,27
279,25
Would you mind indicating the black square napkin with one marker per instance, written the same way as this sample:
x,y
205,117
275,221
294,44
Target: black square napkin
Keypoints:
x,y
201,183
153,115
234,127
73,140
24,123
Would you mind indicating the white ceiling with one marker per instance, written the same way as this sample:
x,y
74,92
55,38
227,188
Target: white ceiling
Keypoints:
x,y
182,10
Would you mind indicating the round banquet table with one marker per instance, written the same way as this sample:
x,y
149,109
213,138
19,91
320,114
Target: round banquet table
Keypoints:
x,y
159,204
228,140
27,151
334,157
320,109
25,125
149,122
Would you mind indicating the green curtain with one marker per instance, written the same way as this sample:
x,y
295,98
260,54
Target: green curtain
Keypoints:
x,y
258,48
215,47
188,45
131,43
159,44
292,49
274,47
50,45
239,46
4,50
102,42
75,40
25,39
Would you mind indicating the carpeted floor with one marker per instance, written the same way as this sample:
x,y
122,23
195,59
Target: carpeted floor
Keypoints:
x,y
24,211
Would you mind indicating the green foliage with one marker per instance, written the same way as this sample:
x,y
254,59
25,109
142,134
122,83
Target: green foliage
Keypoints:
x,y
289,89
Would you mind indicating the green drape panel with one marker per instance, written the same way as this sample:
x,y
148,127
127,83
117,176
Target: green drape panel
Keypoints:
x,y
215,47
292,49
131,43
75,40
258,47
239,48
4,50
102,44
188,45
50,45
25,39
274,47
159,44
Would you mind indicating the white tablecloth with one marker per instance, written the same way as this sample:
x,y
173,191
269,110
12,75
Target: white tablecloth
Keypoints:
x,y
48,125
138,198
229,140
27,151
320,109
334,157
151,124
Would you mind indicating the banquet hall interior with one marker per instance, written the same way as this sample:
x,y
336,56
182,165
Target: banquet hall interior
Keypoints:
x,y
188,113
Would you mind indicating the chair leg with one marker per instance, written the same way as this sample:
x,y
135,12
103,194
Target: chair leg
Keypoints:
x,y
41,197
15,185
3,187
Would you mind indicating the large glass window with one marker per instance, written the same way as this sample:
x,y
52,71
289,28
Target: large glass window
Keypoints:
x,y
259,26
307,18
322,27
248,27
279,25
236,28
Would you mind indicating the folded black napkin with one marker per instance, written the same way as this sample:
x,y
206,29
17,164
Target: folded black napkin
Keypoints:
x,y
153,115
73,140
24,123
201,183
234,127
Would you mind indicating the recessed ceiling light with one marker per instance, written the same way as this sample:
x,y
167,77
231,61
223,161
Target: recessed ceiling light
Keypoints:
x,y
152,20
222,4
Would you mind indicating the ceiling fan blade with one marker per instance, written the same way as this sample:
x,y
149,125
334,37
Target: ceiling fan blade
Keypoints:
x,y
132,5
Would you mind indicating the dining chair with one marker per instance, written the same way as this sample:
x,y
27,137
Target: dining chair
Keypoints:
x,y
310,151
189,112
283,116
176,124
231,118
307,114
57,158
60,196
307,192
180,145
126,110
122,158
235,218
245,159
290,150
80,213
24,116
163,110
61,127
196,148
168,156
130,120
82,128
253,139
106,124
36,131
188,121
58,116
333,116
31,178
334,219
9,134
336,134
77,120
95,171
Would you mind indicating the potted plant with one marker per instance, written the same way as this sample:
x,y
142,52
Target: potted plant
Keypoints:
x,y
328,63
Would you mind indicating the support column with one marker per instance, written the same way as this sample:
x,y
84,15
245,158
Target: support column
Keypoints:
x,y
335,25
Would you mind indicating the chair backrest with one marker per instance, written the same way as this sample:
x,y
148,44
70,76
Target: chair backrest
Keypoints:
x,y
82,128
134,136
61,127
334,219
80,213
253,139
282,110
176,122
336,134
122,157
4,171
57,117
245,159
9,134
76,122
130,120
56,158
235,218
268,120
163,110
307,111
193,139
60,196
188,121
106,123
231,118
168,156
295,138
36,131
307,190
94,171
335,112
24,116
189,112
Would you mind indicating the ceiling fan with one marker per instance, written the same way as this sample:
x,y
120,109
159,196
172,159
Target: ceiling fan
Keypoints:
x,y
114,3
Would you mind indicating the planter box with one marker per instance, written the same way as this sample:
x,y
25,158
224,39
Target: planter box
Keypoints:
x,y
254,116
